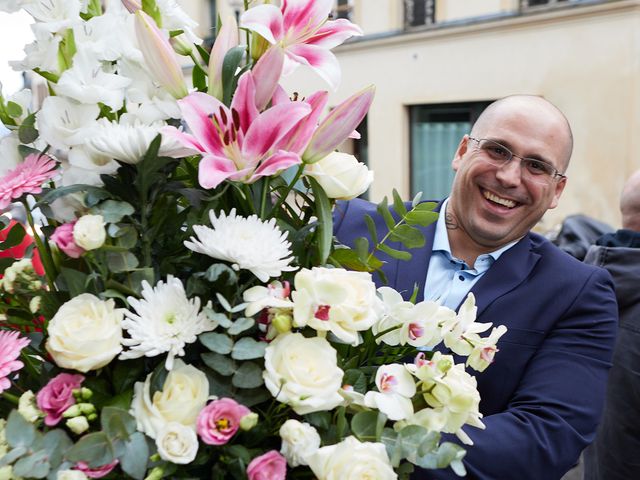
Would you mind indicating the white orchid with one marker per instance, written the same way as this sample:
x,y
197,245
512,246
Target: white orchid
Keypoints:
x,y
396,387
457,331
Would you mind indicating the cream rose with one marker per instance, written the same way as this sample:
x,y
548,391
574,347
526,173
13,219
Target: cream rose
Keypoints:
x,y
341,175
299,441
336,300
303,373
85,333
184,394
352,460
89,232
177,443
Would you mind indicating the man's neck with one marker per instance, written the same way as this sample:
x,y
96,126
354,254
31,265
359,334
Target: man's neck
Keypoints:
x,y
462,246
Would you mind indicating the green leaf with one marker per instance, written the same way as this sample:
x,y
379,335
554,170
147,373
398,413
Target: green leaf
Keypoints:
x,y
18,431
203,54
55,443
249,375
230,64
27,132
121,261
75,281
240,325
421,217
158,378
398,204
117,423
391,441
35,465
342,426
218,271
94,448
113,211
348,259
136,455
219,363
322,420
217,342
14,110
393,253
126,373
325,220
383,210
56,193
362,249
151,8
199,78
14,237
357,379
409,236
52,77
121,400
126,236
248,349
364,426
13,455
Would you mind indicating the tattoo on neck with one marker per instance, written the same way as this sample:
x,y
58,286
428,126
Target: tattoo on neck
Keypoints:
x,y
450,221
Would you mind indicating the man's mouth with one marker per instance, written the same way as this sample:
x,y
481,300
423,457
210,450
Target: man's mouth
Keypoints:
x,y
492,197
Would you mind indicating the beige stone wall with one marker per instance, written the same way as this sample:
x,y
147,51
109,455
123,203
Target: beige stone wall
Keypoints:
x,y
584,59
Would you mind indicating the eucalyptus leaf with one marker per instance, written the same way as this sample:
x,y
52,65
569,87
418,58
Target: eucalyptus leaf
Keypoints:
x,y
74,281
219,363
371,226
249,375
35,465
248,349
59,192
18,431
421,217
362,249
363,425
136,455
240,325
409,236
383,210
219,318
217,342
94,448
218,271
55,443
121,261
13,455
398,204
393,253
117,423
113,211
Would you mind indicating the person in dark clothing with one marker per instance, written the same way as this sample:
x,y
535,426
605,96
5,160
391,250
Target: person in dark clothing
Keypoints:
x,y
614,453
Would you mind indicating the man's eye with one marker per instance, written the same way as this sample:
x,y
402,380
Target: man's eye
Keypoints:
x,y
497,151
537,167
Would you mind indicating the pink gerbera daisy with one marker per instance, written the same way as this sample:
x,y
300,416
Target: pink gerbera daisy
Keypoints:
x,y
10,346
27,177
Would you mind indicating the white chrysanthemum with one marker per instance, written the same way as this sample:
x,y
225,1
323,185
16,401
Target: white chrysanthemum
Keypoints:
x,y
165,320
248,243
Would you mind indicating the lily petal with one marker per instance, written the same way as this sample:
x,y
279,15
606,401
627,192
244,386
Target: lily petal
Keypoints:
x,y
280,96
244,101
266,74
322,61
213,170
298,137
270,127
277,162
334,33
336,127
265,20
186,140
196,109
225,41
300,16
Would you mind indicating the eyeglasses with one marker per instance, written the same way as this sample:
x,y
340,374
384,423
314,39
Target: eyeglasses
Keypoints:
x,y
532,169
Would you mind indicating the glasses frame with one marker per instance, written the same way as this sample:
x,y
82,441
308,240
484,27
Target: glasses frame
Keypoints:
x,y
556,173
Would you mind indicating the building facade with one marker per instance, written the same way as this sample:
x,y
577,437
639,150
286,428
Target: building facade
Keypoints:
x,y
437,63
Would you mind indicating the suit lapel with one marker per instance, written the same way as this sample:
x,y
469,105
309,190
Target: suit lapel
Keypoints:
x,y
509,271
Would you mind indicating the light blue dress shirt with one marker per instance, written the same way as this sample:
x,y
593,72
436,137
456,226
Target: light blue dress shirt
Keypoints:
x,y
450,279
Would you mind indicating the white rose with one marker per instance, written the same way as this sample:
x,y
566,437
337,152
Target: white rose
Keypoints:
x,y
85,333
299,440
184,394
352,460
341,175
89,232
71,475
336,300
177,443
303,373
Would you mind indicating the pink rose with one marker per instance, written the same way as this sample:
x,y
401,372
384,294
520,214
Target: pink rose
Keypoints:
x,y
220,420
57,395
96,472
270,466
63,238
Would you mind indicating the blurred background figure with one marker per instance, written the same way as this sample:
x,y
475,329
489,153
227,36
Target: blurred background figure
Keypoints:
x,y
578,233
614,453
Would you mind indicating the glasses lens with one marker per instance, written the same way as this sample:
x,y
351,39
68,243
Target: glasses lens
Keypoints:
x,y
494,152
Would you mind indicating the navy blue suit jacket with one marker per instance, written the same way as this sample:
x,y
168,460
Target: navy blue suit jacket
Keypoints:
x,y
543,395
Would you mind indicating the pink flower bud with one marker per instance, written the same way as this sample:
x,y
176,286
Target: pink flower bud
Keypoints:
x,y
63,238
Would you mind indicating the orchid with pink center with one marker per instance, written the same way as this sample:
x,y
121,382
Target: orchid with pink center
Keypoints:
x,y
396,387
237,143
303,29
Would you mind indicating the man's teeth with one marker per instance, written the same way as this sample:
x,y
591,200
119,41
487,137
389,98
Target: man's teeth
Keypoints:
x,y
502,201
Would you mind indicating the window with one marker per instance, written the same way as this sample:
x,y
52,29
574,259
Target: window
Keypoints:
x,y
524,4
435,132
418,12
343,9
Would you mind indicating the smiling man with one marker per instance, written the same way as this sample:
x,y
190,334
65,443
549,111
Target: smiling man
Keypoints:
x,y
543,396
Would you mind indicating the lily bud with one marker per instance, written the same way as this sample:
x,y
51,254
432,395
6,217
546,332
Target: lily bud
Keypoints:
x,y
227,39
181,46
132,5
159,56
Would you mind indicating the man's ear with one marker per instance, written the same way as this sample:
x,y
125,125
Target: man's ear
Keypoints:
x,y
462,149
558,191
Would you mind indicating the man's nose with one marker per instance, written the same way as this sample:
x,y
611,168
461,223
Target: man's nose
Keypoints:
x,y
510,174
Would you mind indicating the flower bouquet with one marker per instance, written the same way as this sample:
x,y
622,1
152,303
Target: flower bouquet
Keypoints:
x,y
173,302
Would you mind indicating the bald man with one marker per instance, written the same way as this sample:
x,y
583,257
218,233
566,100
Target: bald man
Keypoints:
x,y
614,453
543,395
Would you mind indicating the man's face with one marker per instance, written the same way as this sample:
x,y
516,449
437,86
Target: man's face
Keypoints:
x,y
495,205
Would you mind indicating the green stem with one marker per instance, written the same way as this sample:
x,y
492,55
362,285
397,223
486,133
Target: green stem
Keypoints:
x,y
284,196
12,398
384,239
146,244
263,198
49,266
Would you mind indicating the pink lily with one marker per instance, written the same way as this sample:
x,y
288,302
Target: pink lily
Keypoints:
x,y
159,55
237,143
132,5
302,28
338,125
227,39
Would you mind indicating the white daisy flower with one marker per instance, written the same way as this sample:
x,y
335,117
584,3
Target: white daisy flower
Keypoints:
x,y
248,243
165,321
